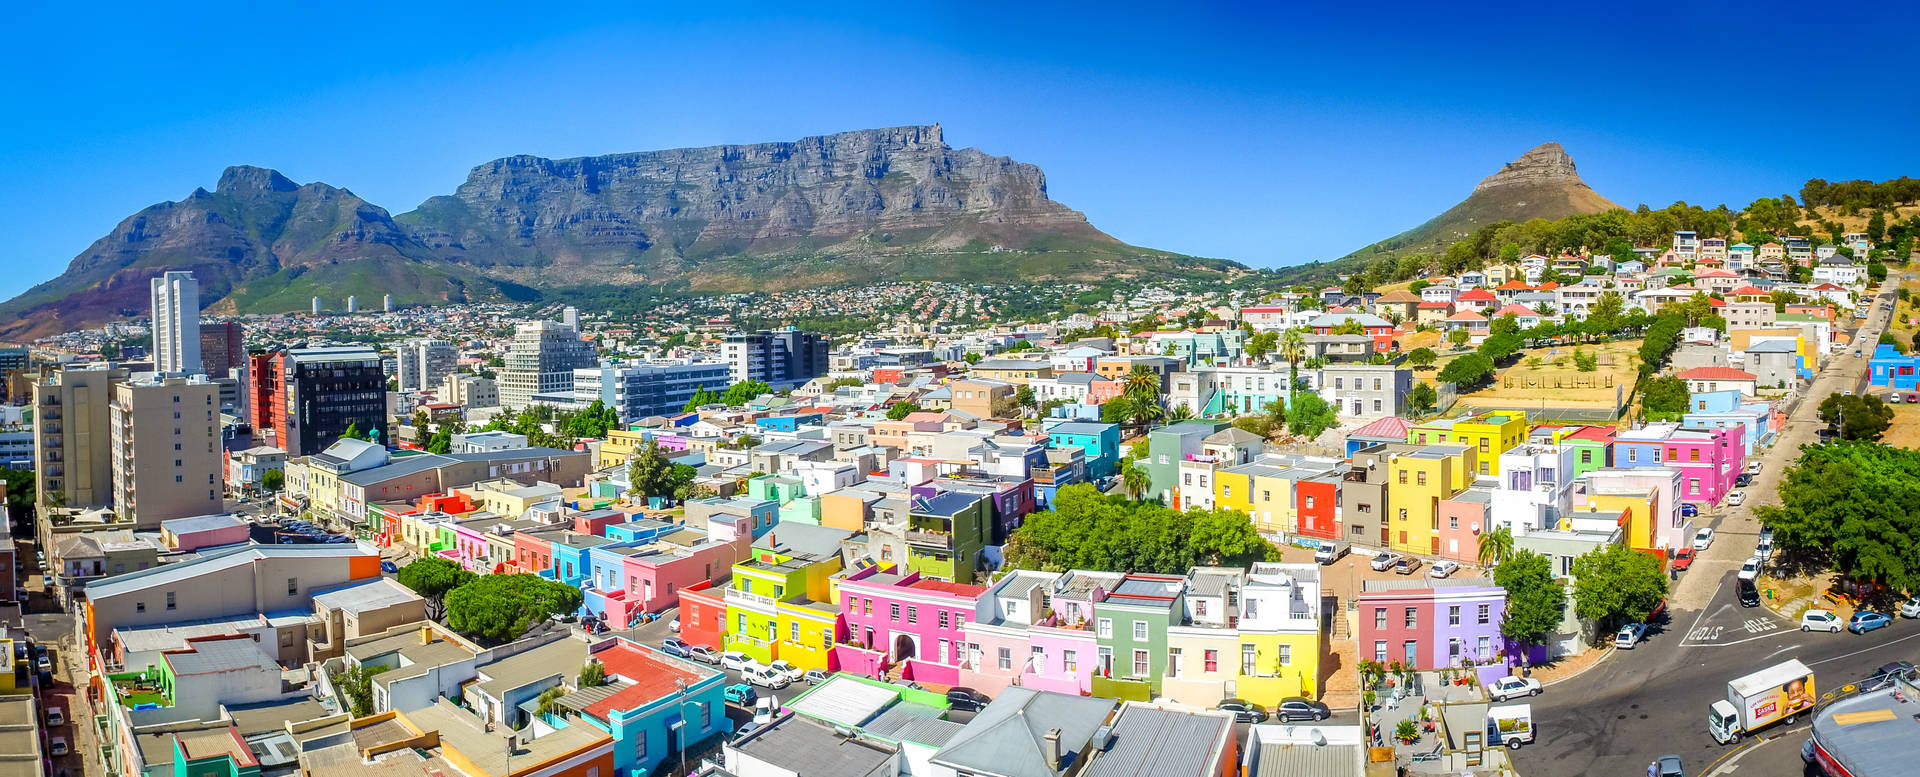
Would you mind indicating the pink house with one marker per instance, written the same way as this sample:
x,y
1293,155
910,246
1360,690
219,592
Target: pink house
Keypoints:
x,y
1708,459
1031,631
655,571
597,521
1460,522
1099,391
919,623
470,544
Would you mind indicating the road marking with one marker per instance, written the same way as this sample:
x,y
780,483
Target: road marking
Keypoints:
x,y
1783,650
1714,767
1866,650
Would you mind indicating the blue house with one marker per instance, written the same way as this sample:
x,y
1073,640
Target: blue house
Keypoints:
x,y
1892,369
1721,409
1100,443
640,530
655,706
570,562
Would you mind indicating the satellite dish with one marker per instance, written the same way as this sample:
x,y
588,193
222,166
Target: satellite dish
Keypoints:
x,y
1476,527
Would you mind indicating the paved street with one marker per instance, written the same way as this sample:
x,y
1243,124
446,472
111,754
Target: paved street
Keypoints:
x,y
1652,700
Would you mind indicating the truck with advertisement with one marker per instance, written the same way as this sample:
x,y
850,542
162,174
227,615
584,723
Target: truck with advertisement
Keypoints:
x,y
1509,725
1782,692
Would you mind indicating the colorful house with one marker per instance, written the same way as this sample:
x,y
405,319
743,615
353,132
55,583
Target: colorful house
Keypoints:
x,y
703,616
915,621
1592,445
1720,409
1100,442
1252,634
1130,628
1419,479
1391,429
1432,624
1490,434
1708,459
1649,497
947,533
655,706
1892,369
1167,447
998,639
533,552
779,606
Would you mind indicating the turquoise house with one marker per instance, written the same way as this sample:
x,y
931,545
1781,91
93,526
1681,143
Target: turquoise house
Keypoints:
x,y
1099,442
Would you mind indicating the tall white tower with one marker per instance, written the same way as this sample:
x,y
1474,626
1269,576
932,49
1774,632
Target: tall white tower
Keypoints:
x,y
316,306
571,317
386,303
176,324
353,305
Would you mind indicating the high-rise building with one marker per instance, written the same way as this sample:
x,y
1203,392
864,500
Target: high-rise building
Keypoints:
x,y
570,316
386,303
781,358
308,397
316,306
541,360
165,448
423,362
353,304
470,391
223,346
73,462
176,324
640,389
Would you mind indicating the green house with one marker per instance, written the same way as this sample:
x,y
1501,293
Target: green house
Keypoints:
x,y
1130,630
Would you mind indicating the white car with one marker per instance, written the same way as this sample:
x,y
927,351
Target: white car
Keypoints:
x,y
1820,620
1753,468
1629,635
1385,561
57,746
1702,540
736,661
1443,568
765,677
1511,687
1910,608
787,670
1736,498
1750,570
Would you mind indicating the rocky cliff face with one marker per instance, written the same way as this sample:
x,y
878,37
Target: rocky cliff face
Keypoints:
x,y
1547,163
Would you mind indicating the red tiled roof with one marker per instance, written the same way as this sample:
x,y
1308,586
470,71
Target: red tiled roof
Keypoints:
x,y
1433,305
1716,302
653,677
1262,310
1516,310
1515,285
1390,427
1466,315
1595,433
957,589
1717,373
1827,287
1477,294
1744,291
1549,286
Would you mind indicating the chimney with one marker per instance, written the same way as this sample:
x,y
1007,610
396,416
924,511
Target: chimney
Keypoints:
x,y
1055,758
426,635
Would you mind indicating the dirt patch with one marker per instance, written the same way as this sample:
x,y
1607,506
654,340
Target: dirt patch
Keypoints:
x,y
1549,376
1905,431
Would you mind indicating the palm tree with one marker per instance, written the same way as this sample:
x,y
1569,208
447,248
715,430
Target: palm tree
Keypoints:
x,y
1496,546
1147,411
1181,412
1134,480
1293,348
550,701
1143,382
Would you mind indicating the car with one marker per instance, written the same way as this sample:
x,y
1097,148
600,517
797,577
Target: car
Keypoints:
x,y
1764,549
1747,593
1820,620
1300,708
56,716
1683,559
388,567
674,647
57,746
1659,609
1910,608
1892,669
1847,392
1407,565
1384,561
1443,568
1511,687
44,663
1753,468
1806,751
765,677
963,698
1742,480
1689,509
735,660
1913,399
740,693
703,654
1243,711
1667,766
1868,620
814,677
1736,498
1703,540
1629,635
674,625
1750,570
1766,534
787,669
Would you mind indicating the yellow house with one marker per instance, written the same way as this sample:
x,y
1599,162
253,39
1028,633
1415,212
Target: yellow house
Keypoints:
x,y
619,445
1418,480
1489,434
1638,510
779,606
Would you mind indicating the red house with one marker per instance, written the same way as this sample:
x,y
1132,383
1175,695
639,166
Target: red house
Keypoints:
x,y
703,616
533,551
1315,500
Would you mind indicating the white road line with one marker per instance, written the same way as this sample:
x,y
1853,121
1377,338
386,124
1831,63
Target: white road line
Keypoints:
x,y
1726,767
1783,650
1866,650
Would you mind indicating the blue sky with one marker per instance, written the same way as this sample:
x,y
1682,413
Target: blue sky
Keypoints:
x,y
1269,136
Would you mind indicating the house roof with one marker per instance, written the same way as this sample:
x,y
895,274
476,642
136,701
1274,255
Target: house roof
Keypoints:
x,y
1149,740
1478,295
1716,373
1515,310
1336,319
201,523
1009,736
1744,291
1466,315
1398,295
1435,305
1513,285
1392,427
1233,435
653,675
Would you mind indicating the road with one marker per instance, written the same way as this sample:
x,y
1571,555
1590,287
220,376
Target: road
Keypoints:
x,y
1640,704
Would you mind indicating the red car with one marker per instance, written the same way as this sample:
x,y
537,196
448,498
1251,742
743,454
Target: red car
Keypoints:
x,y
1683,559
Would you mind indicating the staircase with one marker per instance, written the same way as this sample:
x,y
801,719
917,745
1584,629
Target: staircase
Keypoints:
x,y
895,672
1332,619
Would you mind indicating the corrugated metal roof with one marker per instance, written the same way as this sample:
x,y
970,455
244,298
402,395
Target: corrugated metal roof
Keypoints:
x,y
1162,743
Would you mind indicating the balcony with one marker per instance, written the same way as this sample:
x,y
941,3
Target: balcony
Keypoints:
x,y
938,539
751,599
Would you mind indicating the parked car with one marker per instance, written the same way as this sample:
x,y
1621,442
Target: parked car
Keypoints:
x,y
814,677
1747,593
966,699
1629,635
787,669
57,746
1742,480
1667,766
1910,608
1689,509
1384,561
674,647
1820,620
389,568
1703,540
674,625
1243,711
1868,620
765,677
1300,708
1511,687
1892,669
1406,565
1754,467
703,654
1683,559
1736,498
1443,568
1659,609
735,660
1750,570
44,663
57,716
740,693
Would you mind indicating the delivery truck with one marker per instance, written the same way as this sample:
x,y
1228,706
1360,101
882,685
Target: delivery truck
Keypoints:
x,y
1782,692
1509,725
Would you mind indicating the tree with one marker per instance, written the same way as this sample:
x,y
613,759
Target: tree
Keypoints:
x,y
1293,348
434,578
1260,344
649,473
1535,601
501,608
1089,530
549,702
1499,347
1422,357
1134,479
1585,361
1856,417
1422,397
1664,398
1605,316
271,482
1143,384
701,398
1024,397
1308,415
592,673
1496,545
1181,412
352,432
1617,584
421,433
901,410
1467,371
971,358
356,684
1118,410
1459,337
1505,325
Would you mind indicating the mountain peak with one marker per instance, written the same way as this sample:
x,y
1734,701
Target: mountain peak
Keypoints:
x,y
1547,162
247,178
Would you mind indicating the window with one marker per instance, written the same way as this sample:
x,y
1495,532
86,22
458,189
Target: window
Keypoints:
x,y
1413,618
1376,403
1226,491
1586,456
1139,630
1309,503
1173,662
1186,479
1265,495
1070,659
1453,615
1693,454
169,600
793,632
1376,387
293,586
1633,454
706,717
1403,477
1453,521
1379,617
1380,651
1693,485
913,614
1200,608
894,609
1139,663
1486,613
1566,566
944,619
1005,658
867,608
1247,657
1105,628
139,606
1421,478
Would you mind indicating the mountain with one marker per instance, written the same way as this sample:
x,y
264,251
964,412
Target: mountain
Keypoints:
x,y
258,242
893,203
1542,183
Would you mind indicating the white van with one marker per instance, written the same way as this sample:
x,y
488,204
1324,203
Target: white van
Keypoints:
x,y
765,677
1330,552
